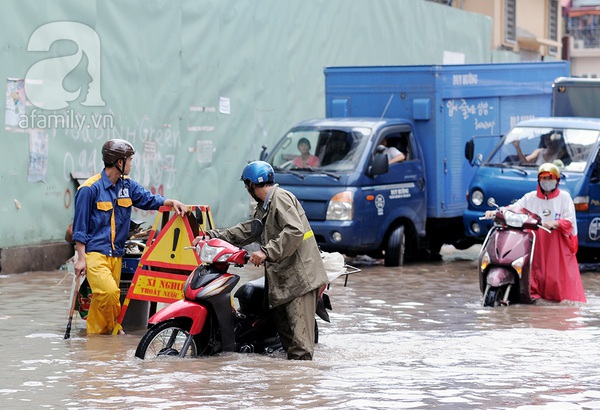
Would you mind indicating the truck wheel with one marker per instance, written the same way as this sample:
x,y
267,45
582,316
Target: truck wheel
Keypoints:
x,y
394,250
464,243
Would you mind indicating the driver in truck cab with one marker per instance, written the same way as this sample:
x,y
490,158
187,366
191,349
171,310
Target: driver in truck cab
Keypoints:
x,y
552,148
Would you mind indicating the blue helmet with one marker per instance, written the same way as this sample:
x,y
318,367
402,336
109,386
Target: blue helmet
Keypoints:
x,y
258,172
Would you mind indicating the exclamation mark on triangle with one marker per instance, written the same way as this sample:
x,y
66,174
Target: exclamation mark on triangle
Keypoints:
x,y
175,240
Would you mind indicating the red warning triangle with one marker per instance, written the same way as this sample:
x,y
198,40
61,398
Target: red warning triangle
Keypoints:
x,y
168,248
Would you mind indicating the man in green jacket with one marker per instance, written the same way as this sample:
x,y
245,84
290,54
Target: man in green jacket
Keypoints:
x,y
294,271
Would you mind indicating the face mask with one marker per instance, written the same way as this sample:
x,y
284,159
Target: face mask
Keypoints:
x,y
548,185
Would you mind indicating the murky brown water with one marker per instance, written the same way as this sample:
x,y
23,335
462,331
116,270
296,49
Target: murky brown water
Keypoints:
x,y
410,337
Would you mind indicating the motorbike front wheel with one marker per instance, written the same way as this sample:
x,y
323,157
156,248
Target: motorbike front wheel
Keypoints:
x,y
166,339
493,297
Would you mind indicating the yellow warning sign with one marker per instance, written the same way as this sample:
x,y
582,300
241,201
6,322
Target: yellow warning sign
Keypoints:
x,y
168,249
165,263
158,287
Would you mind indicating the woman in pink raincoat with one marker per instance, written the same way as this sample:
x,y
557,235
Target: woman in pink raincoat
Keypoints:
x,y
554,272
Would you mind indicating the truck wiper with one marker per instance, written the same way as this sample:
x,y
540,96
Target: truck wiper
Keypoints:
x,y
515,168
287,171
320,171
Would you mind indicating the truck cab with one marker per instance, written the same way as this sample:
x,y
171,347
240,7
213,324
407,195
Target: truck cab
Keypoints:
x,y
505,176
356,202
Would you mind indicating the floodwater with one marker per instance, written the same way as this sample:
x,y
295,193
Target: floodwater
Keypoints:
x,y
399,338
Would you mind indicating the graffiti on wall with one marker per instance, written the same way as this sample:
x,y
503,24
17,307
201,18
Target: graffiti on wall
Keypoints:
x,y
153,164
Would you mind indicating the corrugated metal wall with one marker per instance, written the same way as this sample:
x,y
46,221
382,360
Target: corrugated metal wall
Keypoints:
x,y
197,86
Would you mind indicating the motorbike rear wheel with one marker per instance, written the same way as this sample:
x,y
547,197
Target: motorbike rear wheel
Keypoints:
x,y
166,339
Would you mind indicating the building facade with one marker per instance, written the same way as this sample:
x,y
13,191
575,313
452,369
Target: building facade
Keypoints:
x,y
582,37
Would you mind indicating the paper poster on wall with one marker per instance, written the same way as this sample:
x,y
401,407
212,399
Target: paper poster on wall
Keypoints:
x,y
224,105
38,156
15,104
204,152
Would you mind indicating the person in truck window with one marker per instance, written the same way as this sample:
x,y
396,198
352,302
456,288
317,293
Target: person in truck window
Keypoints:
x,y
554,270
394,154
305,159
552,147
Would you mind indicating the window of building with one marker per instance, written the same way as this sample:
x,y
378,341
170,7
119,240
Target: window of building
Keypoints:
x,y
552,25
510,22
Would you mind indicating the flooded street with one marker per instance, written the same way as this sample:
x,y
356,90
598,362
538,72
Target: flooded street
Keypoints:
x,y
409,337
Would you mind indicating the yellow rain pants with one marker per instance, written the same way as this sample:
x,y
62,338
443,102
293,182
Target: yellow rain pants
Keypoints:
x,y
103,275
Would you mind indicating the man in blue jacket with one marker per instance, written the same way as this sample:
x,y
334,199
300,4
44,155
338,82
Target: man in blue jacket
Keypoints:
x,y
103,207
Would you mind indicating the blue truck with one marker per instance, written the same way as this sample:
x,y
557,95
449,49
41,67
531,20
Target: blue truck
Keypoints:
x,y
503,177
359,204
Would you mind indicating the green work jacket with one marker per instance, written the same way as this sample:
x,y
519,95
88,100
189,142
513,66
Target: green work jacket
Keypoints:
x,y
294,265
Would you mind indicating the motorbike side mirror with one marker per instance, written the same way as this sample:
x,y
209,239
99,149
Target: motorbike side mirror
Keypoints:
x,y
492,202
199,217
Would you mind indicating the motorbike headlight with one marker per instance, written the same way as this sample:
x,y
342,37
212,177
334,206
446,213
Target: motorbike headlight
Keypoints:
x,y
485,261
518,265
515,220
477,197
209,253
341,207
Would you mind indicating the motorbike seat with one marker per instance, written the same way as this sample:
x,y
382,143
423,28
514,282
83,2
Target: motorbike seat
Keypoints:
x,y
251,296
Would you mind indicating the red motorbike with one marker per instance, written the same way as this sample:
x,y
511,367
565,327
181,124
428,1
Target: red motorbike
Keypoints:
x,y
206,322
506,256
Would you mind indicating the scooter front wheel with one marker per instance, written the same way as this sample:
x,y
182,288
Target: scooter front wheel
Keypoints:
x,y
166,339
493,297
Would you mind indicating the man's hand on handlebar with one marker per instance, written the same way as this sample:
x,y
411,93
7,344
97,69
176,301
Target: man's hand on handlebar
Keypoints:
x,y
489,214
257,258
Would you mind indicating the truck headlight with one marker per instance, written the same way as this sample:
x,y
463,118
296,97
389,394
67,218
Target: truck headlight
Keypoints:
x,y
477,197
341,207
582,203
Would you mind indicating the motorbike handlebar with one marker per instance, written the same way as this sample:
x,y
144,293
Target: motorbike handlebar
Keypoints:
x,y
540,226
544,228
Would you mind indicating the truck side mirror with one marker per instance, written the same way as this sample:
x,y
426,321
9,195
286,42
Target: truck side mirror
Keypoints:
x,y
379,162
595,176
470,151
263,154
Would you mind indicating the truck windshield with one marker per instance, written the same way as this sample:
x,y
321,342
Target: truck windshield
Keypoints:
x,y
570,149
320,149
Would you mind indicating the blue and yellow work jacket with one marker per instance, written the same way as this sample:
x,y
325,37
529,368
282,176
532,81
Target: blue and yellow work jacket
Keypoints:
x,y
103,212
